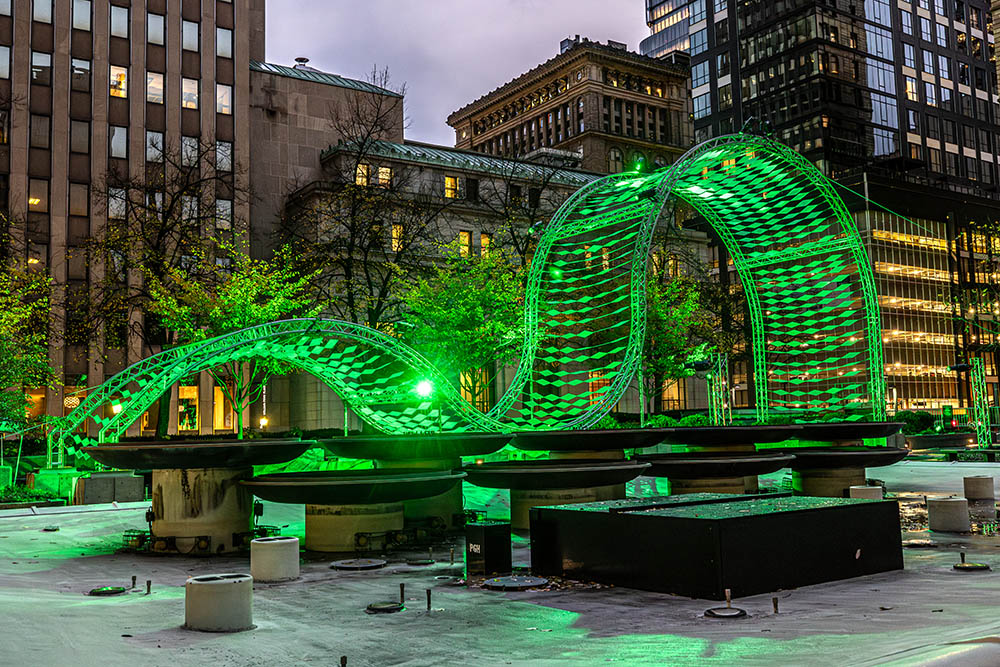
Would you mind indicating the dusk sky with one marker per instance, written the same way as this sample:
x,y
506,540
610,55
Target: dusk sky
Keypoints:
x,y
447,52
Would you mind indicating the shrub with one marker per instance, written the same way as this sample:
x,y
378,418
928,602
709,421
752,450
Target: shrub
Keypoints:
x,y
914,421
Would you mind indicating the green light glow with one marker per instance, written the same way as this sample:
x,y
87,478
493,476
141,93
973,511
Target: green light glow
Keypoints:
x,y
425,388
808,282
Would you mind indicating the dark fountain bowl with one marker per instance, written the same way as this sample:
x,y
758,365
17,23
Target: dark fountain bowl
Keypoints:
x,y
845,457
688,465
418,446
840,431
211,454
553,474
584,440
352,487
728,436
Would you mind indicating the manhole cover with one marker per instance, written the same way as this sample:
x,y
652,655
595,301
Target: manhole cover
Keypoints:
x,y
108,590
725,612
50,529
383,608
357,564
444,577
514,583
971,567
420,561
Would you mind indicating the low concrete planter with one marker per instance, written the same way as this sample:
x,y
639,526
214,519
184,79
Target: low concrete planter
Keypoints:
x,y
32,503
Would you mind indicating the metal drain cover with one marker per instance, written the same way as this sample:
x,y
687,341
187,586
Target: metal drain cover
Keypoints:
x,y
420,561
514,583
108,590
966,566
357,564
383,608
725,612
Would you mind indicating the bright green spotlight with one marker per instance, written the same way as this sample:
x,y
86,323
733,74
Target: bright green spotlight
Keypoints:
x,y
425,388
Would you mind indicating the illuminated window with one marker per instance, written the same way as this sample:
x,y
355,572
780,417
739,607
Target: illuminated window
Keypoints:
x,y
38,195
119,22
118,86
451,187
476,388
385,176
222,411
362,174
189,93
484,243
396,237
187,408
224,99
465,243
598,385
912,93
154,87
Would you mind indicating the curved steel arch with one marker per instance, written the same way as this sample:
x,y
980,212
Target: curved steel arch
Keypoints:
x,y
809,287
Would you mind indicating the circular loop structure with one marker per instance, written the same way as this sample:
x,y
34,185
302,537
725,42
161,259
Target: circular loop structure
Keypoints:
x,y
813,311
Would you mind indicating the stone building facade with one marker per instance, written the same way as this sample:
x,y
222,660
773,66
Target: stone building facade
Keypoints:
x,y
613,106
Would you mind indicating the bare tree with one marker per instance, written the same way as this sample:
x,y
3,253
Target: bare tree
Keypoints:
x,y
179,209
372,225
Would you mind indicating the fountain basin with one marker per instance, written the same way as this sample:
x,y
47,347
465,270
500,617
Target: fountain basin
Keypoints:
x,y
179,455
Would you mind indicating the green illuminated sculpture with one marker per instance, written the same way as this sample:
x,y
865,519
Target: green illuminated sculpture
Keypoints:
x,y
807,279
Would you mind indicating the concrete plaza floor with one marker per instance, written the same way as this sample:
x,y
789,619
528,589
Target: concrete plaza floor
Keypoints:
x,y
925,614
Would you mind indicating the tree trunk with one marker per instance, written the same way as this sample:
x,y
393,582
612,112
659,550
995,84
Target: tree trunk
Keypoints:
x,y
163,415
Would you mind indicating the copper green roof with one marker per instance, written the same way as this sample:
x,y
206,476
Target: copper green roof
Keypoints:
x,y
319,77
455,158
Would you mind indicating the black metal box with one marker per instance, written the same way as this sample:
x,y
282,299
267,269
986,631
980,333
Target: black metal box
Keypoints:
x,y
702,544
487,547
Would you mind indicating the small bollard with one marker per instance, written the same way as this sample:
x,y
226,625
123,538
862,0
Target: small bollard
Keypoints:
x,y
343,661
402,593
133,581
774,601
452,556
428,599
729,599
430,553
149,586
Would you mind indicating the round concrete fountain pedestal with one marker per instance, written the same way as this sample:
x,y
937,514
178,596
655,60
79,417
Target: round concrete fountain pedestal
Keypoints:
x,y
200,510
334,528
827,483
443,511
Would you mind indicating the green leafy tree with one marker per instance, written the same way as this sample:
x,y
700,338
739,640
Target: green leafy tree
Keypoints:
x,y
672,312
239,292
466,317
24,313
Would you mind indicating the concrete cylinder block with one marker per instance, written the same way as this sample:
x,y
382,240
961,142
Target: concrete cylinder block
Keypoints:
x,y
274,558
867,492
948,515
521,502
219,603
978,487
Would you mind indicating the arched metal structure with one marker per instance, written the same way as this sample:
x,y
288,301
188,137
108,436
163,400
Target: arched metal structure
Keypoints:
x,y
809,287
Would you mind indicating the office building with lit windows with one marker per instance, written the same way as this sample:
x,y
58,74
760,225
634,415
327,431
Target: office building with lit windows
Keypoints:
x,y
898,102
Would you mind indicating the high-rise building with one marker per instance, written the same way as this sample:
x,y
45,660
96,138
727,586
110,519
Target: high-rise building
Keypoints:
x,y
92,92
612,106
898,102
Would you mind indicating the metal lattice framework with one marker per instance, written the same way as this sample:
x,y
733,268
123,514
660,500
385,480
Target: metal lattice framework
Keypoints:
x,y
980,405
808,283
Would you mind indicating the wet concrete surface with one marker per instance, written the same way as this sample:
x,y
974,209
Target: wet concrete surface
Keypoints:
x,y
926,614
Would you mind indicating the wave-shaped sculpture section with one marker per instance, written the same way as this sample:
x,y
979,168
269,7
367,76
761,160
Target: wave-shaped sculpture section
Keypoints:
x,y
805,273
